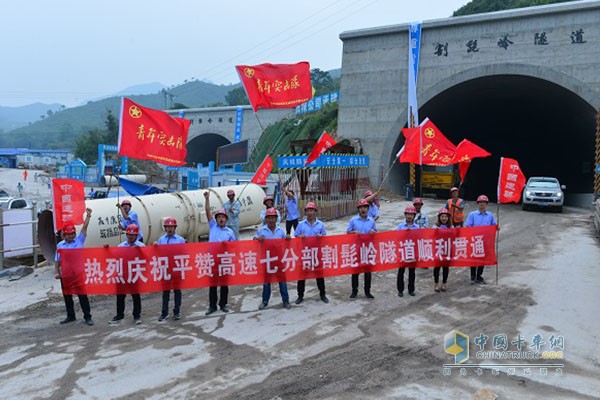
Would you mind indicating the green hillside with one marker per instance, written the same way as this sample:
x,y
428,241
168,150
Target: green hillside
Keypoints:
x,y
59,129
483,6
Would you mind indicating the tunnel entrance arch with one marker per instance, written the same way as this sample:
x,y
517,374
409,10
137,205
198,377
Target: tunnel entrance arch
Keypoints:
x,y
548,128
203,148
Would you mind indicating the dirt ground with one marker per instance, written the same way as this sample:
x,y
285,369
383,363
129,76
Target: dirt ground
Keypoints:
x,y
388,347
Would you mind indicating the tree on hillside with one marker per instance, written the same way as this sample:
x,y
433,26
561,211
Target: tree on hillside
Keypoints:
x,y
237,97
323,82
179,106
483,6
86,145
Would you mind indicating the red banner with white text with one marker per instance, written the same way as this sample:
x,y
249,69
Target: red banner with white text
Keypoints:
x,y
156,268
68,196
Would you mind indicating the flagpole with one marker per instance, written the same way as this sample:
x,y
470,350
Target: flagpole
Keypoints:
x,y
420,160
497,241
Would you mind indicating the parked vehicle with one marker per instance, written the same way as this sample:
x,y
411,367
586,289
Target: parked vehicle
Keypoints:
x,y
11,203
543,192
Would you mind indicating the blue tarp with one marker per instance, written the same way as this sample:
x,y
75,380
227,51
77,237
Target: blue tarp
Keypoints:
x,y
138,189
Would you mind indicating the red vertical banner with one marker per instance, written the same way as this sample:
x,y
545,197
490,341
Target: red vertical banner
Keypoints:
x,y
263,171
323,144
511,181
68,196
148,134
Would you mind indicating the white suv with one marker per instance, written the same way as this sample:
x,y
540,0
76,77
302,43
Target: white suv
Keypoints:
x,y
543,192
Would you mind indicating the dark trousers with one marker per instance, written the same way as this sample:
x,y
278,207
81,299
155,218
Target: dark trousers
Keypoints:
x,y
320,285
436,274
165,301
367,282
291,224
212,296
411,280
476,272
137,306
83,302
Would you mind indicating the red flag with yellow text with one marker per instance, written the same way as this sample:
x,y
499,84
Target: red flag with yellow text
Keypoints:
x,y
68,196
466,151
511,181
148,134
434,147
276,85
325,142
263,171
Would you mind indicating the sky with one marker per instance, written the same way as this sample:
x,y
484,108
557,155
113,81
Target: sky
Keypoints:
x,y
71,51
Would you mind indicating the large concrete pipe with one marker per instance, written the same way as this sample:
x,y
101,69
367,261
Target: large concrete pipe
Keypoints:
x,y
186,207
111,180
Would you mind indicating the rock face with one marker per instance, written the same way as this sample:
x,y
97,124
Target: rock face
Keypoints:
x,y
484,394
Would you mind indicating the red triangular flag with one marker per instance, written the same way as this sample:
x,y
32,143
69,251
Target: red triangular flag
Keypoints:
x,y
465,152
325,142
263,171
148,134
68,196
511,181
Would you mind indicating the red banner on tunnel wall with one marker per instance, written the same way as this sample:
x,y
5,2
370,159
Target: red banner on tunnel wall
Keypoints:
x,y
125,270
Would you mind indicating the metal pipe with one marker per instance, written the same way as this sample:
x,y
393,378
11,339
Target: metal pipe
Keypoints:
x,y
112,180
186,207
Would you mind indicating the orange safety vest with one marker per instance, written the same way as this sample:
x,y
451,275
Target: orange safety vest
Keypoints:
x,y
456,215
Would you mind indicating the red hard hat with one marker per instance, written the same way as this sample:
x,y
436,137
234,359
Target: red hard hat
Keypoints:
x,y
132,229
483,197
170,222
410,210
223,212
311,204
368,193
267,198
124,202
417,200
362,202
230,192
453,189
271,212
443,211
69,228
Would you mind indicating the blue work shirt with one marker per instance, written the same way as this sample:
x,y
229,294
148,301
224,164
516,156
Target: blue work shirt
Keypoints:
x,y
269,234
305,228
77,243
166,239
440,227
361,225
373,211
421,220
263,215
218,234
233,212
477,218
137,243
292,210
404,226
132,218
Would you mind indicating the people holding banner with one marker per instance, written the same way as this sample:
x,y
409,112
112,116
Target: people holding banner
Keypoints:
x,y
408,224
233,206
170,237
443,222
420,217
373,206
292,214
218,232
268,202
311,226
70,241
456,207
132,232
129,217
480,217
361,224
272,231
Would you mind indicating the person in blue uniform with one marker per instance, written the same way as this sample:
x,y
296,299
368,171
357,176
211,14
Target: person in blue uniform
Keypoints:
x,y
292,214
311,226
218,232
129,217
480,217
170,237
233,208
362,224
70,241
